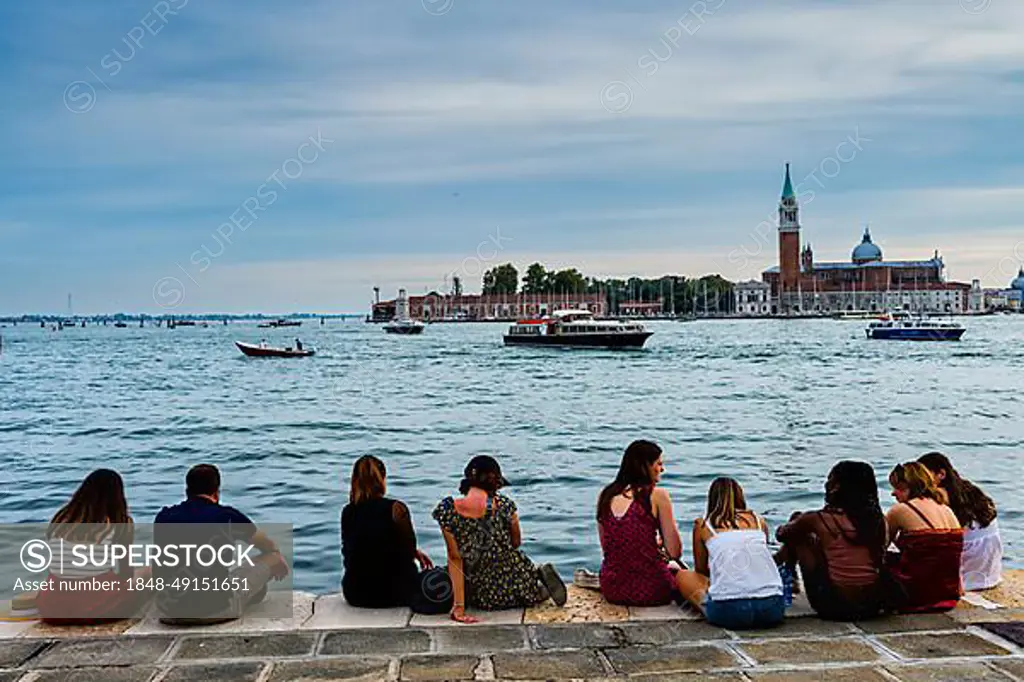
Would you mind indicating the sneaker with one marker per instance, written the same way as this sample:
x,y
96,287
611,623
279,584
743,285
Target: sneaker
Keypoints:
x,y
553,583
588,580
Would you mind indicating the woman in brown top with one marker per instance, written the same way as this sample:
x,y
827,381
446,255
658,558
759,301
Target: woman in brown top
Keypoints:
x,y
841,548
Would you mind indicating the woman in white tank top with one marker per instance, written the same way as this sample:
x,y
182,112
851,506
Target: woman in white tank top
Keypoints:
x,y
736,582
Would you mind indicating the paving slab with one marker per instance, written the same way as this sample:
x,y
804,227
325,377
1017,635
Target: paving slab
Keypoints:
x,y
132,674
13,654
1014,667
215,672
509,617
374,642
547,665
802,652
667,612
10,675
699,658
483,640
686,677
947,672
910,623
582,606
11,629
800,608
332,612
246,646
100,652
438,668
575,636
1010,592
63,632
946,645
800,627
672,632
258,618
363,670
1011,632
861,674
971,616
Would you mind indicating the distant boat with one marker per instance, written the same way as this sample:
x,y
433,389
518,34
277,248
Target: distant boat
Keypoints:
x,y
120,324
262,351
281,322
577,328
402,322
404,327
903,328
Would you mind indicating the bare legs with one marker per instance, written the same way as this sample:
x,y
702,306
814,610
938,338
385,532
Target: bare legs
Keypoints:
x,y
693,586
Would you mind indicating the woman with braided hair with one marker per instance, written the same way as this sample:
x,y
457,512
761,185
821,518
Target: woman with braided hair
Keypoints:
x,y
841,548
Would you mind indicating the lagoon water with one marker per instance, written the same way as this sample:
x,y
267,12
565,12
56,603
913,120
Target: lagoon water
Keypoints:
x,y
772,403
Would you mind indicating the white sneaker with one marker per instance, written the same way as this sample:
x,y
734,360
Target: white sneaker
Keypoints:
x,y
588,580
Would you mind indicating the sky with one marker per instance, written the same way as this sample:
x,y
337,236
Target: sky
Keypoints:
x,y
190,156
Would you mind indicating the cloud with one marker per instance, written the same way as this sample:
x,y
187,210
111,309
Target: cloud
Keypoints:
x,y
502,105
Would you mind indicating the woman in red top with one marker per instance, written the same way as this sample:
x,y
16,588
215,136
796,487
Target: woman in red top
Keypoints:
x,y
925,574
638,532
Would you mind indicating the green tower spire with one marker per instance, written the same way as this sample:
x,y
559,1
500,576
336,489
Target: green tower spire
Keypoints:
x,y
787,188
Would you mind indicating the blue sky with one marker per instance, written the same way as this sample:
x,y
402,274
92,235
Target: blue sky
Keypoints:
x,y
445,136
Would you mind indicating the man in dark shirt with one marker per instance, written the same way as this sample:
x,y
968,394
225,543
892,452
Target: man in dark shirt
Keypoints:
x,y
202,520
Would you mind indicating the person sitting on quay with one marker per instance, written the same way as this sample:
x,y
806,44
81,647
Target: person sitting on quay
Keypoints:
x,y
981,565
96,515
925,573
841,548
202,519
736,583
638,533
482,535
378,546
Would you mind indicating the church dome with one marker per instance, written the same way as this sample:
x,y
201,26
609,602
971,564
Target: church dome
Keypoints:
x,y
1018,283
866,251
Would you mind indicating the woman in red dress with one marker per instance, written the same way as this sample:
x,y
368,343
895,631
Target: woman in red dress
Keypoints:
x,y
639,537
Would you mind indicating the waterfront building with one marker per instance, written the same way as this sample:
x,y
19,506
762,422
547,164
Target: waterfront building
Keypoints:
x,y
752,298
641,308
801,285
1010,298
475,307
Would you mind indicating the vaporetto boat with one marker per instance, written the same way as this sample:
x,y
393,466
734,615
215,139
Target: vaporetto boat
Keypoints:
x,y
898,327
577,328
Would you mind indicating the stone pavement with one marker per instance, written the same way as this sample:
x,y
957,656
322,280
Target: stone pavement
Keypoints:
x,y
590,640
911,649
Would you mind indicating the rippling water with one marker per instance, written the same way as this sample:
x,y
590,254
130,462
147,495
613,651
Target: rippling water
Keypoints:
x,y
773,403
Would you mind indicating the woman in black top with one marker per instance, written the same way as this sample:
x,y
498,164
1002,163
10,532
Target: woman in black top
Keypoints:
x,y
378,544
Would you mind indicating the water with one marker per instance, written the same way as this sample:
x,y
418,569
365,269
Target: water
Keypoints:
x,y
772,403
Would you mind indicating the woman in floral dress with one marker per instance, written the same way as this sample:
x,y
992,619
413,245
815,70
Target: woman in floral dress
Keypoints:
x,y
482,534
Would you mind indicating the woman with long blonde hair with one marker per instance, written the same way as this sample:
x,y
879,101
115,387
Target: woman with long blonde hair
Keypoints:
x,y
925,574
736,582
378,544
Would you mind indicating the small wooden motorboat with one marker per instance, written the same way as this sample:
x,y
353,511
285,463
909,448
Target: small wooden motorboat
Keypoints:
x,y
261,351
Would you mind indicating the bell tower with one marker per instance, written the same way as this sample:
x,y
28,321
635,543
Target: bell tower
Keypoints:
x,y
789,244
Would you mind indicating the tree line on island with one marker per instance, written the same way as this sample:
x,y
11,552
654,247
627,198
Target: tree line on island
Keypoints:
x,y
708,295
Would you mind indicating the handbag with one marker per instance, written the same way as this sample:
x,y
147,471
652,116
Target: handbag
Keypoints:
x,y
434,593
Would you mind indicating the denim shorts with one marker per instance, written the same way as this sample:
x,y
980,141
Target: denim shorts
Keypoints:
x,y
744,614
